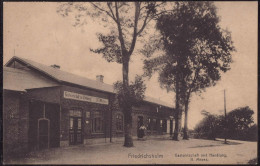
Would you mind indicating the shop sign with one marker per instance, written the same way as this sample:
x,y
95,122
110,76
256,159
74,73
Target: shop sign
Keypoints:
x,y
80,97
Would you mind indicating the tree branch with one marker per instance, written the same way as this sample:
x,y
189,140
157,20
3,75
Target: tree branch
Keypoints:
x,y
146,18
158,14
154,6
120,36
159,4
193,81
144,24
103,10
142,7
113,16
137,13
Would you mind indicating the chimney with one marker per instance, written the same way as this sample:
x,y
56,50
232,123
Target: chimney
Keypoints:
x,y
100,78
55,66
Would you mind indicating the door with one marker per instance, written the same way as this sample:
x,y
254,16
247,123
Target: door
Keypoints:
x,y
43,133
168,126
75,130
140,122
164,126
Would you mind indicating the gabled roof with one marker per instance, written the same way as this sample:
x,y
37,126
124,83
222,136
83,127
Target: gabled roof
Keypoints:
x,y
61,76
21,80
156,101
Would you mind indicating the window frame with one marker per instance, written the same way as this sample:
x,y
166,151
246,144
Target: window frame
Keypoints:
x,y
149,123
121,122
95,119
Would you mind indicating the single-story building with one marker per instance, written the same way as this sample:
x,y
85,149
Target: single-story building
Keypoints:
x,y
46,107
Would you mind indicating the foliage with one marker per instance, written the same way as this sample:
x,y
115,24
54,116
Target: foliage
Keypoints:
x,y
239,125
253,161
136,88
207,127
194,46
240,118
195,50
239,122
251,133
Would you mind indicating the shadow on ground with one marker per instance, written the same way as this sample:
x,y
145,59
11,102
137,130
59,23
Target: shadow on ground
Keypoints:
x,y
221,144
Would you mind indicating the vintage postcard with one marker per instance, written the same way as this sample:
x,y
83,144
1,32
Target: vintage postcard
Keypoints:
x,y
170,82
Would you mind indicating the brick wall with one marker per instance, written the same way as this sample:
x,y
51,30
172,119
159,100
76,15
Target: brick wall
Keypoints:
x,y
50,94
16,128
149,110
70,104
24,121
15,123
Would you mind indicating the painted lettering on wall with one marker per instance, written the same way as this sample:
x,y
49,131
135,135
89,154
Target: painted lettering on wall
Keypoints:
x,y
80,97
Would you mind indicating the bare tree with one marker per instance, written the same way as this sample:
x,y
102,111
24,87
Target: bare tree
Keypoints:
x,y
127,22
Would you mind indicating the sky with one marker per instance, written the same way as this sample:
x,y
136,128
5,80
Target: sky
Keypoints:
x,y
34,30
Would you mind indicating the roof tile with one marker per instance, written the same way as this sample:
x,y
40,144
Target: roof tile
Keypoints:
x,y
63,76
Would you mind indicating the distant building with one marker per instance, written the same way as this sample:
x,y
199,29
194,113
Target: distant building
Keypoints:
x,y
46,107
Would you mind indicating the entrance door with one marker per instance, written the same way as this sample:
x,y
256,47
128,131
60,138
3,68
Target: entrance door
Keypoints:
x,y
140,122
43,133
164,126
168,126
75,130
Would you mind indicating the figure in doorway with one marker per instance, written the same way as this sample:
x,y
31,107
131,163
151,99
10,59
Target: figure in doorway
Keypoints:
x,y
141,132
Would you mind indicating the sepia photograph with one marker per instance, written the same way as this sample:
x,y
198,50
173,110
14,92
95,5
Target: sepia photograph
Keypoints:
x,y
156,82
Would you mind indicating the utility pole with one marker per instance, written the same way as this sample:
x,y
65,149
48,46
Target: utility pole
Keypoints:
x,y
225,128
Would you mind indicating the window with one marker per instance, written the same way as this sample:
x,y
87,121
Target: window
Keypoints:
x,y
97,122
71,123
79,123
75,113
161,123
155,124
87,114
97,125
149,124
119,122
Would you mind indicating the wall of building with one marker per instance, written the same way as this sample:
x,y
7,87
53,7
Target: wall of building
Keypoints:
x,y
24,121
71,104
48,94
146,110
16,128
152,111
15,123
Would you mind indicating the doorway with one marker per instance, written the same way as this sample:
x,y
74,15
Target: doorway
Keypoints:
x,y
164,126
75,131
44,125
43,133
140,122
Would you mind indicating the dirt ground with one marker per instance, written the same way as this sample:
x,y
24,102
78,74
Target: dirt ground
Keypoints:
x,y
150,151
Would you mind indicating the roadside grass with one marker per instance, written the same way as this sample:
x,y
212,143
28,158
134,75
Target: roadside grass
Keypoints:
x,y
253,161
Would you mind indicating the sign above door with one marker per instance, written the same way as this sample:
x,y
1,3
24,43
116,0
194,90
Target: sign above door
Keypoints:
x,y
80,97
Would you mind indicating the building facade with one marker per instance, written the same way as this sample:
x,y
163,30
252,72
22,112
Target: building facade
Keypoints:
x,y
45,107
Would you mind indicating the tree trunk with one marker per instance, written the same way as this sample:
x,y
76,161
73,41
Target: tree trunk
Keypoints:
x,y
171,127
177,114
185,130
128,126
127,106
